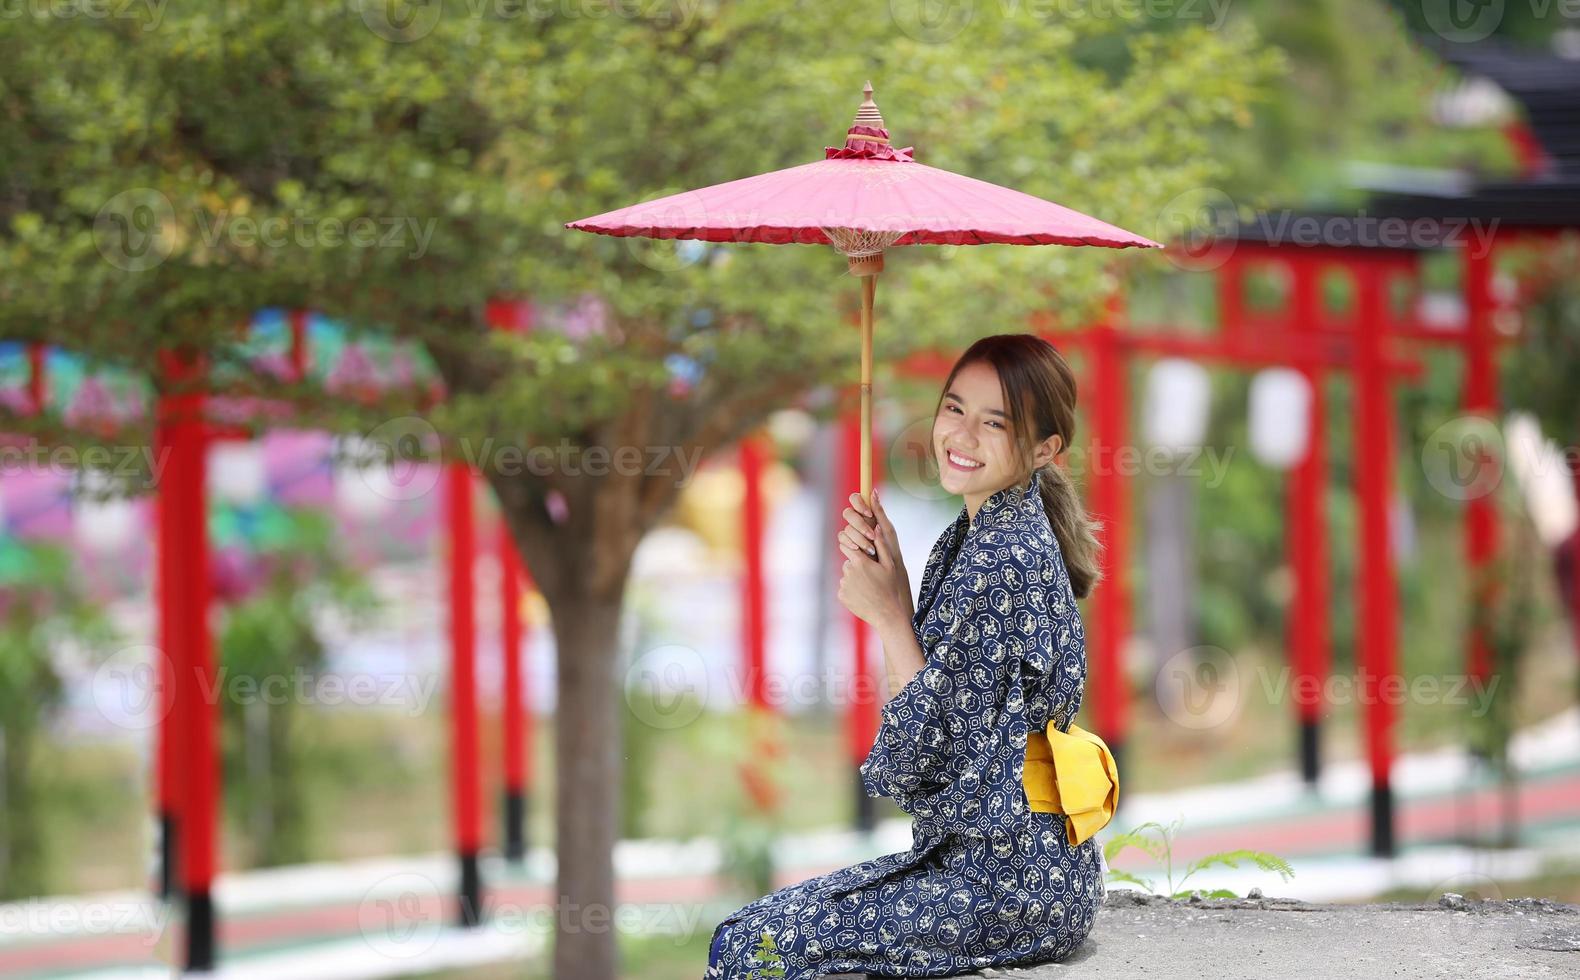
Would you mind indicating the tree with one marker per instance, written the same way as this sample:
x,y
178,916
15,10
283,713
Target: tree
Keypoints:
x,y
397,166
40,608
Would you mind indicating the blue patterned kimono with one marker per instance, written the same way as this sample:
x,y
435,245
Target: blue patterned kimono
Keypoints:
x,y
987,881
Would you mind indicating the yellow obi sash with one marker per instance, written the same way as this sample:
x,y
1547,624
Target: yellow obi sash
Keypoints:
x,y
1072,773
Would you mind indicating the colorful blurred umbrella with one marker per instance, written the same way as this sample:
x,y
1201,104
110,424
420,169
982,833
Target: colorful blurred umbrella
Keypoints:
x,y
862,198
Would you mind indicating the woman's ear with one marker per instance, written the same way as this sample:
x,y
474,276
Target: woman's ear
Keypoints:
x,y
1049,449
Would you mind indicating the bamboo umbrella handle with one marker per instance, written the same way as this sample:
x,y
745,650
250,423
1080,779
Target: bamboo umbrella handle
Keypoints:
x,y
869,287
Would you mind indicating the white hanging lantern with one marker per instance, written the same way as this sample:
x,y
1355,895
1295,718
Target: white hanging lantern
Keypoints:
x,y
1179,397
102,525
370,477
105,527
1280,424
236,473
361,481
1543,477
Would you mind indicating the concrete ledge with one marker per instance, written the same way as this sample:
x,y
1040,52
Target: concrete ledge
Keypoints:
x,y
1139,935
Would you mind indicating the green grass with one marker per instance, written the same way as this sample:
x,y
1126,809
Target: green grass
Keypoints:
x,y
650,958
1558,880
380,782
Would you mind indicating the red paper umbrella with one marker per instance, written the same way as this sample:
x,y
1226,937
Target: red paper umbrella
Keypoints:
x,y
862,198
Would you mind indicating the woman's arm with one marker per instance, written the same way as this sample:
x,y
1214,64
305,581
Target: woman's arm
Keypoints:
x,y
902,655
875,587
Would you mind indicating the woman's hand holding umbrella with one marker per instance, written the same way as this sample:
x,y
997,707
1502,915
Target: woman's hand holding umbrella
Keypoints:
x,y
873,584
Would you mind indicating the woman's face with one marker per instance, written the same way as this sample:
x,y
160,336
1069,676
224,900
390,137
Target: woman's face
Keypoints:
x,y
972,441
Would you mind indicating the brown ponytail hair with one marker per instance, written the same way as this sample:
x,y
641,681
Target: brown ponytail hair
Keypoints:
x,y
1039,396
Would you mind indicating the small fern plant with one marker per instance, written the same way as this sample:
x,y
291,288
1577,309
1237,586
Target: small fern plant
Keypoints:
x,y
771,966
1158,841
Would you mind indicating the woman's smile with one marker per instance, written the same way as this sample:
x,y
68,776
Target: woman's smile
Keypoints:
x,y
962,462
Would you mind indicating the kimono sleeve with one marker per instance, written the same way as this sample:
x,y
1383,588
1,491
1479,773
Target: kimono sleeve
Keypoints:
x,y
952,741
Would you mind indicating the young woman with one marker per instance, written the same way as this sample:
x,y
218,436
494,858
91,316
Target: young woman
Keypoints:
x,y
994,652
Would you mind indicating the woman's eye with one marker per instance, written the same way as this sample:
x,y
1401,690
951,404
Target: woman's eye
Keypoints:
x,y
995,425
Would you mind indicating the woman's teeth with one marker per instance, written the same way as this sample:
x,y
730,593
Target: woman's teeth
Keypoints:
x,y
961,461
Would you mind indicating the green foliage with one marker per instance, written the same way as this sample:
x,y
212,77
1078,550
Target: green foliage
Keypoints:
x,y
1539,373
1157,841
272,658
474,140
1360,89
1241,528
40,611
639,753
1507,620
737,748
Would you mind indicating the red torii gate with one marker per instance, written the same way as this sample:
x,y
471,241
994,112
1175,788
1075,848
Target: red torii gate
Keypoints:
x,y
1303,335
187,758
1291,339
1307,337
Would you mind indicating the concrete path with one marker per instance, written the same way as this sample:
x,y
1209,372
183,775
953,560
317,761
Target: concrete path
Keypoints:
x,y
1140,936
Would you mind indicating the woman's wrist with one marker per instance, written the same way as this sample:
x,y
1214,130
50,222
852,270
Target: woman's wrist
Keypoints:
x,y
896,620
902,654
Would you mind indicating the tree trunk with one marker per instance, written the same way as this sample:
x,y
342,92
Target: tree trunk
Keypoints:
x,y
587,774
23,863
1573,595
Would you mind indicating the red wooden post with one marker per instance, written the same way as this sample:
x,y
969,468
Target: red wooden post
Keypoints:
x,y
299,346
1376,592
166,585
1480,398
37,368
190,650
753,602
1306,526
760,788
513,315
463,691
1110,397
1574,555
518,733
1231,301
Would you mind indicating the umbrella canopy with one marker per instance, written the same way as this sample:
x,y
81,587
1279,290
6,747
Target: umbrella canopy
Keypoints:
x,y
862,198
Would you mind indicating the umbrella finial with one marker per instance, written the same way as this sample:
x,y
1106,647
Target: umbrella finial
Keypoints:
x,y
868,137
868,114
